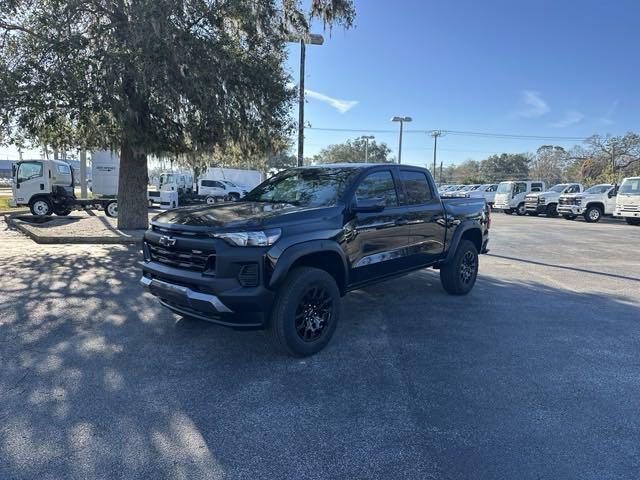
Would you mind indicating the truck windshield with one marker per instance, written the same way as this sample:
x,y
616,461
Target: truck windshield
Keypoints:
x,y
631,186
166,178
312,187
505,187
598,189
558,188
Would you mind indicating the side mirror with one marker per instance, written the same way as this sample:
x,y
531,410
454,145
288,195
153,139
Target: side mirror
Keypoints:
x,y
369,205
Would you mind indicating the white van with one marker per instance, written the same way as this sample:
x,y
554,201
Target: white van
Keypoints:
x,y
510,195
628,201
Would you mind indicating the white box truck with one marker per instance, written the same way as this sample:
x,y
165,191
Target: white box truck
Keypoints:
x,y
628,201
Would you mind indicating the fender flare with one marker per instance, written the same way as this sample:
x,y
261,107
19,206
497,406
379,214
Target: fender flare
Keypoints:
x,y
291,254
457,236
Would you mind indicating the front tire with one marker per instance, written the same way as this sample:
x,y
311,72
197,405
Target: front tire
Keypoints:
x,y
632,221
306,312
552,210
569,217
508,211
459,275
520,210
593,214
111,209
210,200
63,213
40,207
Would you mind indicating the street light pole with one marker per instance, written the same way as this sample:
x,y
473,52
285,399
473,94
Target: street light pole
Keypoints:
x,y
401,120
366,147
312,39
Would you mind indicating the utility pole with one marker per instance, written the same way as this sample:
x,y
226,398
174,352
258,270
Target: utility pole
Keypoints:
x,y
312,39
435,134
366,139
303,53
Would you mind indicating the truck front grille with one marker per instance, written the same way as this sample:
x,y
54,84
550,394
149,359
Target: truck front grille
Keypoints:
x,y
569,201
196,260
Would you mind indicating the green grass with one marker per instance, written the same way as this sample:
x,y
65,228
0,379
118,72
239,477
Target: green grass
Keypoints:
x,y
4,204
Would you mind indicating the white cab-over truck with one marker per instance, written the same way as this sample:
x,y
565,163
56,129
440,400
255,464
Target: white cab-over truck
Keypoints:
x,y
510,195
628,201
536,203
593,203
47,186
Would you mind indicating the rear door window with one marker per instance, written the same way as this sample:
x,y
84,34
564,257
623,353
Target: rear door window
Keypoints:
x,y
519,187
416,187
378,185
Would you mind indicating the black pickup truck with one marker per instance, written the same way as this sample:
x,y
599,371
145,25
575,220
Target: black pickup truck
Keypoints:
x,y
283,256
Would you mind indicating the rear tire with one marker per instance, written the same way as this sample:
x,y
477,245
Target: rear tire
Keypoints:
x,y
533,214
552,210
40,207
520,210
306,312
593,214
459,275
508,211
210,200
63,213
632,221
569,217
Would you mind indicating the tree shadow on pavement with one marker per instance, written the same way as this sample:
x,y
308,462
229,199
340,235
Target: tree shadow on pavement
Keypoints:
x,y
515,379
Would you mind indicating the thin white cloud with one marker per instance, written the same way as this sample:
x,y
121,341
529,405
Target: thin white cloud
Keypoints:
x,y
570,118
343,106
534,105
607,119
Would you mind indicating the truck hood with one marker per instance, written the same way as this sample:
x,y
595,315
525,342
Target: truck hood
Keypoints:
x,y
235,215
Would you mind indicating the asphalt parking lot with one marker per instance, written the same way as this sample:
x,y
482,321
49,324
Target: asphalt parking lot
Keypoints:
x,y
535,374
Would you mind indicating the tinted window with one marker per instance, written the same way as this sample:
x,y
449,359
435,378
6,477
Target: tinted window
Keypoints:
x,y
211,183
378,185
416,187
536,187
29,170
520,188
492,188
573,189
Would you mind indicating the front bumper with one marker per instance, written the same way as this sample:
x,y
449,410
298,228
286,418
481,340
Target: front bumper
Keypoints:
x,y
535,207
626,213
502,206
570,209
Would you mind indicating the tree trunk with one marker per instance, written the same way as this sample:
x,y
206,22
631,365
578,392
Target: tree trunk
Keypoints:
x,y
133,206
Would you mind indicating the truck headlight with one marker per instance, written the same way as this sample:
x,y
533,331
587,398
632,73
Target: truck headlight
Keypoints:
x,y
261,238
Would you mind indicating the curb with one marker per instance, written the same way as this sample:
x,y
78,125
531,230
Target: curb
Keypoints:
x,y
14,210
18,225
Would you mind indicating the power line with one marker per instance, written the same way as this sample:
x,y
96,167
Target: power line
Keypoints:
x,y
464,133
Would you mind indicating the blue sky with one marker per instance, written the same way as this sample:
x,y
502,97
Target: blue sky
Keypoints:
x,y
558,69
553,68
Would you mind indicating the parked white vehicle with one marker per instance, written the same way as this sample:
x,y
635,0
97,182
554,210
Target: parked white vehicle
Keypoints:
x,y
247,179
628,201
486,191
593,203
510,195
47,186
181,182
214,190
536,203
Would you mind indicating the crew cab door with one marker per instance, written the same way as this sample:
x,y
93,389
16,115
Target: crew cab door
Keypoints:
x,y
424,212
377,241
30,180
610,200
